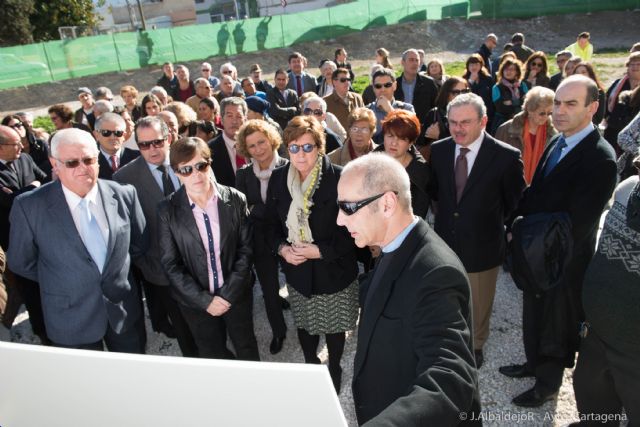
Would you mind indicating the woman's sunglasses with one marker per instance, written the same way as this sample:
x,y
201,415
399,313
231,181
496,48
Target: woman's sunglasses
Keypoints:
x,y
188,170
307,148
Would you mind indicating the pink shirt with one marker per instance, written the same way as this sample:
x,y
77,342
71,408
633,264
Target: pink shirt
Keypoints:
x,y
211,209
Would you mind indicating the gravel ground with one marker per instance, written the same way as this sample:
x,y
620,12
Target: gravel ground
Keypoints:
x,y
504,347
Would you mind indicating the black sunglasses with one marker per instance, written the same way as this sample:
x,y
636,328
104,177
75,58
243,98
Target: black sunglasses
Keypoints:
x,y
381,85
107,133
74,163
343,79
349,208
458,92
307,148
157,143
188,170
16,125
316,112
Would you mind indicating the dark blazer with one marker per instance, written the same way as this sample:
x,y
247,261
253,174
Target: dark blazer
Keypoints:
x,y
337,268
474,228
424,95
414,362
580,185
126,156
77,300
80,114
27,173
309,82
150,194
184,257
221,162
283,109
555,80
248,183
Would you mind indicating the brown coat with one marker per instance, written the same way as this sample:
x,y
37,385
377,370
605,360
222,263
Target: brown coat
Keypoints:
x,y
340,109
511,132
341,156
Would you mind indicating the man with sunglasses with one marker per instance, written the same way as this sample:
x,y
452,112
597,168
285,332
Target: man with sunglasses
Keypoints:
x,y
154,179
342,102
384,86
109,133
18,174
477,182
77,237
316,107
414,88
414,362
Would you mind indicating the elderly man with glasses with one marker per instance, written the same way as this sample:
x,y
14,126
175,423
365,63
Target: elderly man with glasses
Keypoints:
x,y
316,107
77,238
110,130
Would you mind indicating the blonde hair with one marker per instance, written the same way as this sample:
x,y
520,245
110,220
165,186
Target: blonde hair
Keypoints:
x,y
253,126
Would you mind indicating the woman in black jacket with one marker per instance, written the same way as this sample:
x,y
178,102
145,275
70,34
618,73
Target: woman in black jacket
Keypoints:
x,y
401,129
205,238
480,81
259,141
318,257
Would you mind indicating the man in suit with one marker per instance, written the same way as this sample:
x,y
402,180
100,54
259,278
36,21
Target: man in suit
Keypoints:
x,y
284,102
477,182
18,174
77,237
153,179
341,102
299,80
225,160
414,88
109,133
577,175
414,361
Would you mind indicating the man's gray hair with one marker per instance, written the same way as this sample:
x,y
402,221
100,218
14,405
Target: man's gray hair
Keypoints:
x,y
110,118
103,106
564,53
152,122
408,51
159,90
329,64
491,36
309,100
72,136
589,85
381,173
233,100
230,66
468,99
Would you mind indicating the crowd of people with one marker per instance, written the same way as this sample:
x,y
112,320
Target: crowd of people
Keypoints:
x,y
182,199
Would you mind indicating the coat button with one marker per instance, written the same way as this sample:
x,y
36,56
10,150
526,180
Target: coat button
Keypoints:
x,y
456,214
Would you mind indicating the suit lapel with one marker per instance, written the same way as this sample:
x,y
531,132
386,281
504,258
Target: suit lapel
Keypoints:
x,y
483,160
450,159
147,180
110,206
378,300
9,177
59,212
224,215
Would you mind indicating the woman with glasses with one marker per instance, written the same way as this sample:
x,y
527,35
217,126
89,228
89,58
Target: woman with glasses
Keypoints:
x,y
259,141
530,130
151,105
436,125
536,71
360,129
204,220
316,255
587,69
401,130
31,145
508,92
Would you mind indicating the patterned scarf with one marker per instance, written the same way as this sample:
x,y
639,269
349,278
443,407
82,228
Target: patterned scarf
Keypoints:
x,y
301,202
513,87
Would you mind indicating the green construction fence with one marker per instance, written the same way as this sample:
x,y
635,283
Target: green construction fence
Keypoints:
x,y
60,60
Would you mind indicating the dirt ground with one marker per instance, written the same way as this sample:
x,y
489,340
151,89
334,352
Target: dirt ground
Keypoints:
x,y
449,40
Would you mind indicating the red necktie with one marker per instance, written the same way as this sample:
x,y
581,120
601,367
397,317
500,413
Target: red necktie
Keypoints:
x,y
114,162
299,85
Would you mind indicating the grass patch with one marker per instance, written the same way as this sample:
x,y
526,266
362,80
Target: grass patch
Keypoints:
x,y
45,123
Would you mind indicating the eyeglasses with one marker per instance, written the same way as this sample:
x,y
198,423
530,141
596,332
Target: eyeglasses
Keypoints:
x,y
107,133
316,112
459,91
205,70
343,79
188,170
74,163
157,143
227,72
16,125
536,64
295,148
349,208
356,129
381,85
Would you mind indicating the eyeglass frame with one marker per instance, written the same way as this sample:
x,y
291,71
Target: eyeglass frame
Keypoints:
x,y
351,208
307,148
74,163
188,170
146,145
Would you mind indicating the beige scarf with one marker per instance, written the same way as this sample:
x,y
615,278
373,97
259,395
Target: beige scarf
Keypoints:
x,y
301,202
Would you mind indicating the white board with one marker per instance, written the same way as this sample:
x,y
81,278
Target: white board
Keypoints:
x,y
45,386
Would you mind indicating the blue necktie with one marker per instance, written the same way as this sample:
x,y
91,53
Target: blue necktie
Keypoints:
x,y
554,157
92,235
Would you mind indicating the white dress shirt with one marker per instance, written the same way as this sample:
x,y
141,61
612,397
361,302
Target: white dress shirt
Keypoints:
x,y
474,149
231,149
95,206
